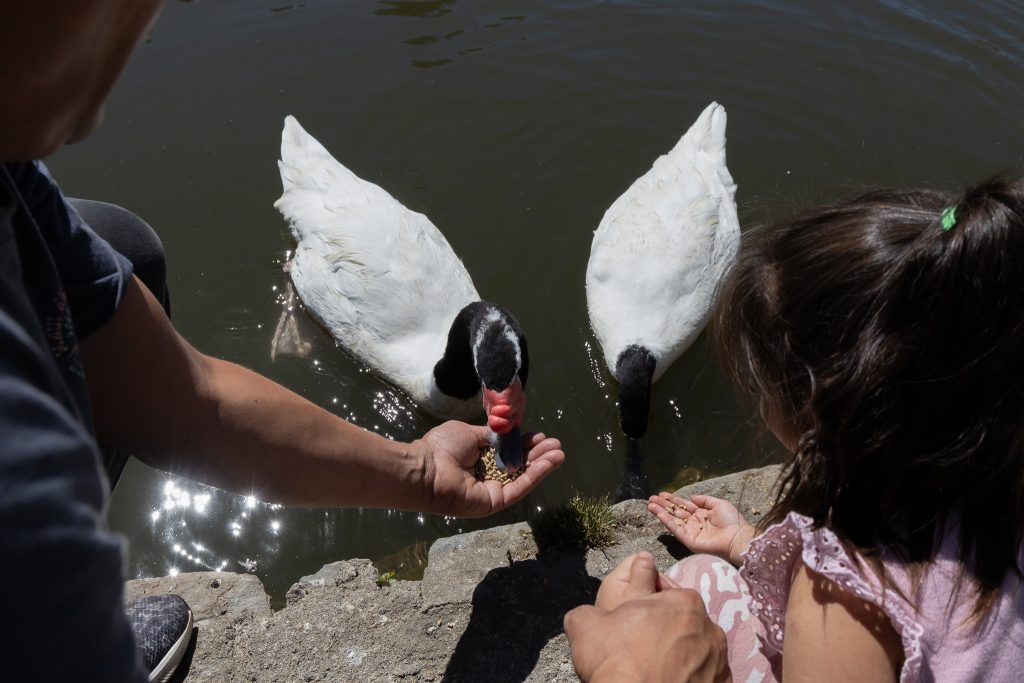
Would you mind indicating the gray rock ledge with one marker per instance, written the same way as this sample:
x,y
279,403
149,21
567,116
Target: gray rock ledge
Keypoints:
x,y
489,607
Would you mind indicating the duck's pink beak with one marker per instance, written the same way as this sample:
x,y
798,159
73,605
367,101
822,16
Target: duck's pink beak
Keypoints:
x,y
505,408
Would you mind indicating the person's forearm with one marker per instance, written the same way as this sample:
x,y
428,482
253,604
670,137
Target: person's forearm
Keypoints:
x,y
268,439
219,422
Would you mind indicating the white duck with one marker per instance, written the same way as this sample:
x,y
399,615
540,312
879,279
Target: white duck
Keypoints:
x,y
386,284
658,259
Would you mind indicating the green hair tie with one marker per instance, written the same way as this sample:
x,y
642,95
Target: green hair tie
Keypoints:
x,y
948,218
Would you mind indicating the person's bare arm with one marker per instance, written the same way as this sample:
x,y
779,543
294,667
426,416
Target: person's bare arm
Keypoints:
x,y
832,635
220,423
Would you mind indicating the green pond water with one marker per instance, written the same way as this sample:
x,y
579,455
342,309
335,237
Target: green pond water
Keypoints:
x,y
513,125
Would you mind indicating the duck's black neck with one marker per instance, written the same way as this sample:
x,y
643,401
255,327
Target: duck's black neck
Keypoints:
x,y
486,347
634,369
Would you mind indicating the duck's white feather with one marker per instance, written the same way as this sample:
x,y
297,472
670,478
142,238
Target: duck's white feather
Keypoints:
x,y
381,278
664,247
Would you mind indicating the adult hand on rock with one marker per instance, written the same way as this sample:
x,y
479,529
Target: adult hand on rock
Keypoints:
x,y
450,453
635,577
653,634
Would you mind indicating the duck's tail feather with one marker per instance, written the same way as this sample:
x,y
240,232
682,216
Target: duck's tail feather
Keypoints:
x,y
706,136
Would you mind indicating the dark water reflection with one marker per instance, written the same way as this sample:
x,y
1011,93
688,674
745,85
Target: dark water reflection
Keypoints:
x,y
425,9
528,123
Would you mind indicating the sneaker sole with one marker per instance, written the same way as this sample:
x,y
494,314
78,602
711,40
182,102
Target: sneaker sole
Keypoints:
x,y
163,671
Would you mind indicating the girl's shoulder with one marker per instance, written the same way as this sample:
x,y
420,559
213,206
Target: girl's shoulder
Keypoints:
x,y
938,638
774,556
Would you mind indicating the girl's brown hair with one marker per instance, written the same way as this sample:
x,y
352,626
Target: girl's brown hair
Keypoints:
x,y
890,342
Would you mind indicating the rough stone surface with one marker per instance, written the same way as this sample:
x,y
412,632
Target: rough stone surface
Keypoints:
x,y
211,595
489,607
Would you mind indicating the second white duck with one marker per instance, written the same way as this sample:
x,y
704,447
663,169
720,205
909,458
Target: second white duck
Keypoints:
x,y
658,259
386,284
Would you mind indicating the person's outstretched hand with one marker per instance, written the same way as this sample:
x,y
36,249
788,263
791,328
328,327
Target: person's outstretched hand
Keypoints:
x,y
704,524
451,451
657,632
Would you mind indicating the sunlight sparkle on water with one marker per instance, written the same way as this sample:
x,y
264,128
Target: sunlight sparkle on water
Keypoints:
x,y
200,501
173,571
675,408
175,497
250,501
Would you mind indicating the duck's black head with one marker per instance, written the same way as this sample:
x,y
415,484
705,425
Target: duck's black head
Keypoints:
x,y
487,352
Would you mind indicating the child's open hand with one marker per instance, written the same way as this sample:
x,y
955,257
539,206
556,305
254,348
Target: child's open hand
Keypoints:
x,y
704,524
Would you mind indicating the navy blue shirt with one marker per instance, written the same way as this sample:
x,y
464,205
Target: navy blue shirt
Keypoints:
x,y
61,569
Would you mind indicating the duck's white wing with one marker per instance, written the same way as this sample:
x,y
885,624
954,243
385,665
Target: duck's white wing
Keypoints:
x,y
664,247
381,278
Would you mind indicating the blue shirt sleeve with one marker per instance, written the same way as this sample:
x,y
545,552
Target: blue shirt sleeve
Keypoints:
x,y
92,273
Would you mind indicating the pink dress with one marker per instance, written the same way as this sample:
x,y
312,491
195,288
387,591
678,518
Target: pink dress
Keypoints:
x,y
937,645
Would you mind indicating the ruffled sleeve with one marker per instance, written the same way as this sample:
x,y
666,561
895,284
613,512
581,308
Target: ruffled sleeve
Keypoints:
x,y
769,564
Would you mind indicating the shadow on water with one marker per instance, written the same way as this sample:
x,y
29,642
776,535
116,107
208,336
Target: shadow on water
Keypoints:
x,y
517,610
634,478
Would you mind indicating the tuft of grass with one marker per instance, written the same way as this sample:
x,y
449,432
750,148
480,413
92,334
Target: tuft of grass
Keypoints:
x,y
385,579
577,524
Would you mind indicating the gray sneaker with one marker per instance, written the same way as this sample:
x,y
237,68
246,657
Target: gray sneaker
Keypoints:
x,y
162,625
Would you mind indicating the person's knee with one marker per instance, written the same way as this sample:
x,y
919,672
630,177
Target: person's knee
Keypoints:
x,y
133,238
688,570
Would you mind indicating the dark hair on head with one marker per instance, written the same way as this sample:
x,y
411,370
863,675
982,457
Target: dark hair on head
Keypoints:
x,y
892,350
